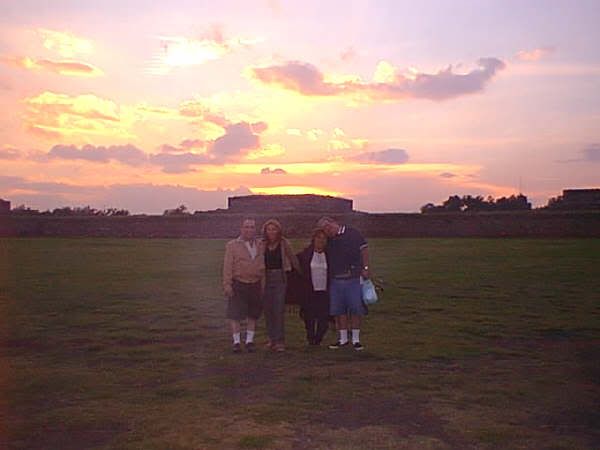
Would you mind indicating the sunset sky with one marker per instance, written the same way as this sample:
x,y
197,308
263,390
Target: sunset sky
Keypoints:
x,y
146,105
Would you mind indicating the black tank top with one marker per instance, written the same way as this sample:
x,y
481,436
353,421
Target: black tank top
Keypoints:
x,y
273,258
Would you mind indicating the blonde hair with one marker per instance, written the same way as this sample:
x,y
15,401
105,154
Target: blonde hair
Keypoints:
x,y
277,225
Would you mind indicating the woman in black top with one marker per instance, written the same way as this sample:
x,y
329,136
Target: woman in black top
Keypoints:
x,y
279,260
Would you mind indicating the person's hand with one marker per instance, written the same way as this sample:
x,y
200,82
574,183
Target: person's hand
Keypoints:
x,y
228,291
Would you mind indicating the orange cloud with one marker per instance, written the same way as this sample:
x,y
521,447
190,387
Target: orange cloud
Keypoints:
x,y
69,68
50,114
535,54
65,43
306,79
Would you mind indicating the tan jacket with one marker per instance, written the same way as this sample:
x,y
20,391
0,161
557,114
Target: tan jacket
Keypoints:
x,y
240,266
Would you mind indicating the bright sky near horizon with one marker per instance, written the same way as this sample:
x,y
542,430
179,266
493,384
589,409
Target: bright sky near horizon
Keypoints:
x,y
146,105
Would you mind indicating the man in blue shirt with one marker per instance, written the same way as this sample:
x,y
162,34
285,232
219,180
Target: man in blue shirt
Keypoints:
x,y
348,254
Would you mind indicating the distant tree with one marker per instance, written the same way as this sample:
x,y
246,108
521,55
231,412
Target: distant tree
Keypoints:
x,y
115,212
556,202
512,203
469,203
25,211
181,210
453,204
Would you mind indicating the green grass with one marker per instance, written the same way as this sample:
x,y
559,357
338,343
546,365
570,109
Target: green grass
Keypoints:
x,y
477,343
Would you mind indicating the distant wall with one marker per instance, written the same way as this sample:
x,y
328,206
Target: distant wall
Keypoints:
x,y
224,225
4,206
289,203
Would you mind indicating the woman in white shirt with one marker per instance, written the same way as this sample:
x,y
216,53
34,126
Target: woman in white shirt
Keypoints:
x,y
315,294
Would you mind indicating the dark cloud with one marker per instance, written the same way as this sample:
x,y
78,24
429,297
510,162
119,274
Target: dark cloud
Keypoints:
x,y
389,156
309,80
447,175
296,76
192,143
592,153
171,159
137,198
125,154
269,171
9,153
178,162
238,138
13,182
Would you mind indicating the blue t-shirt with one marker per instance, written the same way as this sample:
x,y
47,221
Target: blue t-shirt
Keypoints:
x,y
343,252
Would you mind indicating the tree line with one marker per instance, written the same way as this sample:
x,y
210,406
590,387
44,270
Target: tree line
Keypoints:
x,y
454,203
469,203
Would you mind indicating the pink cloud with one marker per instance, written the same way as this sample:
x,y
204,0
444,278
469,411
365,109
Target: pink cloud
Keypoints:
x,y
238,138
535,54
389,156
308,80
9,153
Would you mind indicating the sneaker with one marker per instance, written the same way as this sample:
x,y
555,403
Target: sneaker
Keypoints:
x,y
250,347
358,346
337,345
237,348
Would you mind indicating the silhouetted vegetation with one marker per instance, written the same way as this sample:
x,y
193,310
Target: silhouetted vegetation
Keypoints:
x,y
469,203
181,210
67,211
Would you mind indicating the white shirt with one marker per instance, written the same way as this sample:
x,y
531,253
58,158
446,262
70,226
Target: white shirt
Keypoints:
x,y
251,246
318,271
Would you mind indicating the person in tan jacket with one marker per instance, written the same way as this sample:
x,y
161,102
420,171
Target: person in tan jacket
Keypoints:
x,y
243,272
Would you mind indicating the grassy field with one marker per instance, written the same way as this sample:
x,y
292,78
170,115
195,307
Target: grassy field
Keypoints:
x,y
478,344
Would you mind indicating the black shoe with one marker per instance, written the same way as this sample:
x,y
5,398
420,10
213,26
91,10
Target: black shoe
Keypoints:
x,y
358,346
337,345
237,348
250,347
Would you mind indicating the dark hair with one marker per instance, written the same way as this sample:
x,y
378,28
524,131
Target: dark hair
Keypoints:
x,y
316,232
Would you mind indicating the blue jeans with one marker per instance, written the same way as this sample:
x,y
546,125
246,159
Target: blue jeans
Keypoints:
x,y
346,297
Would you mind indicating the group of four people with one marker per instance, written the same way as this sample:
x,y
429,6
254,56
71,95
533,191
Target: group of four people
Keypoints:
x,y
324,278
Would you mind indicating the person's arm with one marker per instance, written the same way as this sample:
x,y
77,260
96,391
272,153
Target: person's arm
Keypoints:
x,y
364,254
228,271
292,257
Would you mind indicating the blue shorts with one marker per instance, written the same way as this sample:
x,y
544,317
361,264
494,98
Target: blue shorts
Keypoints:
x,y
346,297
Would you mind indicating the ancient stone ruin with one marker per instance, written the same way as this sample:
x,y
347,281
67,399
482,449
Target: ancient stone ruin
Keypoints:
x,y
289,203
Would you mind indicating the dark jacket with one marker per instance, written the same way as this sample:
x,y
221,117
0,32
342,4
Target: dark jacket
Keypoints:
x,y
300,286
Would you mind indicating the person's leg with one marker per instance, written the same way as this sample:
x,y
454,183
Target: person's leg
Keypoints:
x,y
309,324
235,311
268,310
279,311
342,323
357,310
235,330
337,308
322,327
321,315
250,330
